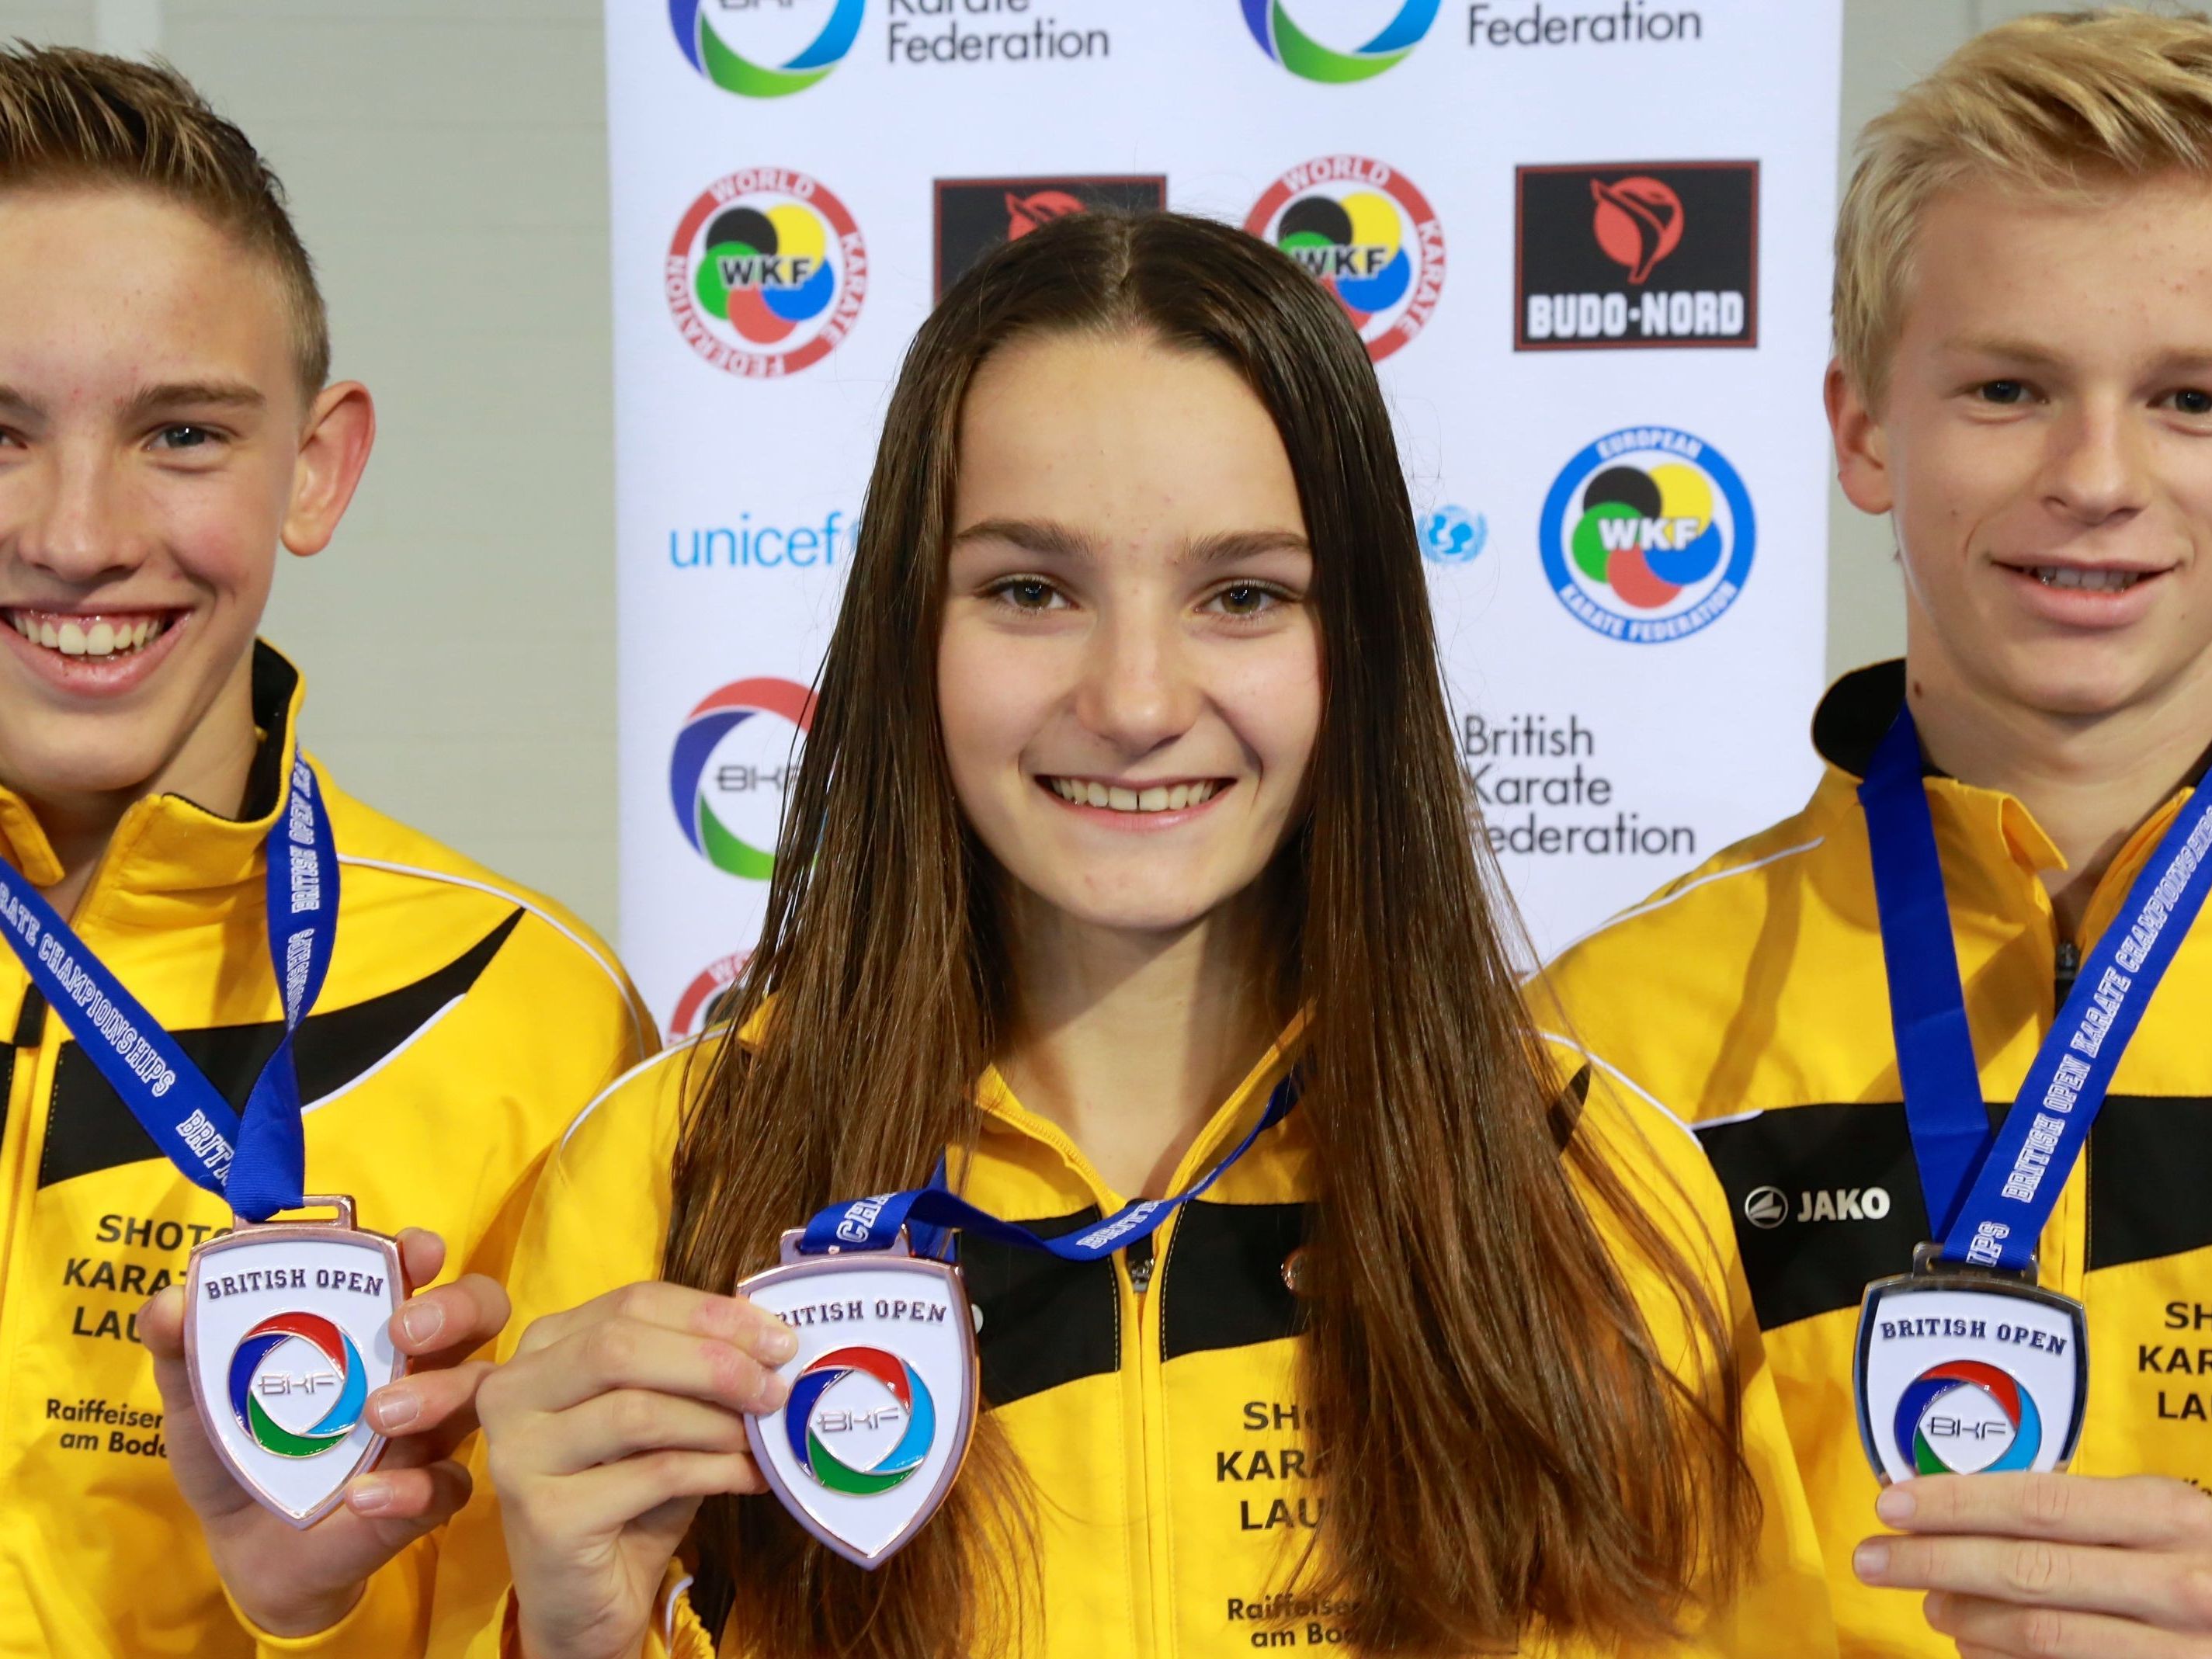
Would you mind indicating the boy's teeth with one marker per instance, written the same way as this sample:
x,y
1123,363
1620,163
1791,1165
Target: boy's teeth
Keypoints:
x,y
2096,581
1161,798
104,637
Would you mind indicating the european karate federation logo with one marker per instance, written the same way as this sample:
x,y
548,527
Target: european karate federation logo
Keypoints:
x,y
713,54
898,1430
1365,234
1452,535
1648,535
696,785
297,1384
1303,56
766,273
1965,1417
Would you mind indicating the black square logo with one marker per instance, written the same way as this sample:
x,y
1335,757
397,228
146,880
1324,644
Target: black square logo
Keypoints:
x,y
974,216
1618,255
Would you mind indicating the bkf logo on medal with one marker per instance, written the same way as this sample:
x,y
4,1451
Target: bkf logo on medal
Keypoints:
x,y
729,768
766,273
1385,48
1364,233
759,50
297,1384
1967,1417
1648,535
859,1420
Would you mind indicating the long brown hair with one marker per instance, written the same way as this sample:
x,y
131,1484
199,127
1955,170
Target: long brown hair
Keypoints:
x,y
1501,1441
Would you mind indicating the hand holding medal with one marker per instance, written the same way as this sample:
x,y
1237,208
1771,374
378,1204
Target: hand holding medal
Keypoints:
x,y
290,1581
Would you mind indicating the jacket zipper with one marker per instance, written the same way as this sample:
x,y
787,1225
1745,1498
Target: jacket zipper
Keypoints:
x,y
2070,965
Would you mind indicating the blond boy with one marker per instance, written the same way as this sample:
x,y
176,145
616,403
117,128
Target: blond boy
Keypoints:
x,y
165,425
2023,382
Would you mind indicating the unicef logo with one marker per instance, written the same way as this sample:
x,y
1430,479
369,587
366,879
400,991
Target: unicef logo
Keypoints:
x,y
711,54
1648,535
1452,535
1964,1417
297,1384
759,774
1300,53
873,1406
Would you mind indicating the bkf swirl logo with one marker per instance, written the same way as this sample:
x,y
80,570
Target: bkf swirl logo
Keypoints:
x,y
1966,1417
297,1356
689,786
766,273
1648,535
1365,234
1300,53
808,1416
711,54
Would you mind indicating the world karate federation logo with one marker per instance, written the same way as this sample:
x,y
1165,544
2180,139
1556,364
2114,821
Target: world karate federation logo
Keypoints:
x,y
766,273
297,1384
1966,1417
859,1420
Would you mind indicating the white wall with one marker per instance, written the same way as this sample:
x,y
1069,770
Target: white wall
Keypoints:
x,y
446,162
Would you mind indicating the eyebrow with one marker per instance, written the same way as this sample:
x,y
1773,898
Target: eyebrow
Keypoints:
x,y
1992,345
194,394
1047,537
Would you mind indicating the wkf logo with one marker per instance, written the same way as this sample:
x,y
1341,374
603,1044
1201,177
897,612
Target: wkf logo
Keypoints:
x,y
287,1333
882,1395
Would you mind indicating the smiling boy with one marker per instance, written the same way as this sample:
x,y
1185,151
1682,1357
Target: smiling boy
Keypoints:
x,y
2023,382
165,424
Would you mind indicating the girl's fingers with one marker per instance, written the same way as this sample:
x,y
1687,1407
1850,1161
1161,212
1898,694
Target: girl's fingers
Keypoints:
x,y
614,1426
730,1319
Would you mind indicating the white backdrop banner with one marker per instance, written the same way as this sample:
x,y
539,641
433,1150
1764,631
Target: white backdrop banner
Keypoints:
x,y
1585,240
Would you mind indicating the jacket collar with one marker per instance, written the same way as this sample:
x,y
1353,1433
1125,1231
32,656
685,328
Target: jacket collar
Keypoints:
x,y
165,843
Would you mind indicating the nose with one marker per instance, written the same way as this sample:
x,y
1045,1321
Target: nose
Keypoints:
x,y
74,521
1139,690
2096,470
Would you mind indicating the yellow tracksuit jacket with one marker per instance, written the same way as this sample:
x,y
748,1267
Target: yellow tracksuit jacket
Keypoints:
x,y
1749,997
464,1024
1159,1415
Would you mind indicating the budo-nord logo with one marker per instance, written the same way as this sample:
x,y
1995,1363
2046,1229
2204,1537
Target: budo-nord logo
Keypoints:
x,y
1300,53
1648,535
1636,254
297,1384
1452,535
766,273
765,48
859,1420
1966,1416
1366,235
974,216
729,768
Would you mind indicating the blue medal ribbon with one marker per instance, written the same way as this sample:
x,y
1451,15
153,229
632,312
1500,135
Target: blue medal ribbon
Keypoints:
x,y
1990,1194
257,1161
873,1223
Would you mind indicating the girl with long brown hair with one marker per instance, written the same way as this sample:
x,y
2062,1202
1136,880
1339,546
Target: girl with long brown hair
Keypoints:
x,y
1131,806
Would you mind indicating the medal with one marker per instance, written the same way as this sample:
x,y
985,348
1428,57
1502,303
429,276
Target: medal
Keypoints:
x,y
884,1386
288,1331
1968,1371
1964,1365
284,1321
883,1393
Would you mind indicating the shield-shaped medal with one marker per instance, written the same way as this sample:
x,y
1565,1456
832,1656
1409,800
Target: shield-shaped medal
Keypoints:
x,y
883,1394
286,1331
1960,1372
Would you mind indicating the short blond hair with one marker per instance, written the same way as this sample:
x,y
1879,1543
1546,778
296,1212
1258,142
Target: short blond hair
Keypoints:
x,y
70,117
2057,103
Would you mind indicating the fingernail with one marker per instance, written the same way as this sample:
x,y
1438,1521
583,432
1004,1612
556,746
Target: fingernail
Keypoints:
x,y
1871,1559
774,1392
422,1321
779,1343
1895,1505
394,1409
368,1495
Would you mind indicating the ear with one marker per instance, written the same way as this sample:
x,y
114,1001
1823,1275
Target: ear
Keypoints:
x,y
341,428
1862,446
